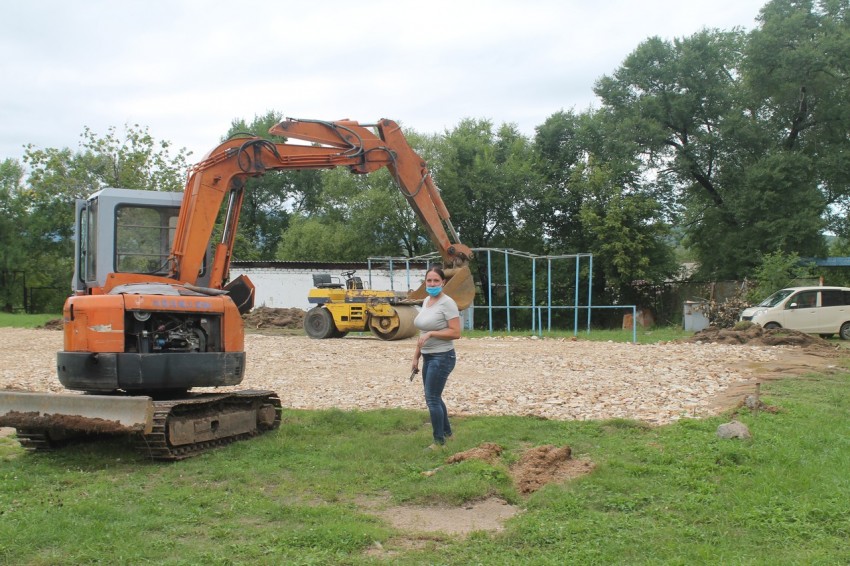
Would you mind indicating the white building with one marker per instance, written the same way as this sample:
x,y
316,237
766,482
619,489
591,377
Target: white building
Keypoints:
x,y
285,284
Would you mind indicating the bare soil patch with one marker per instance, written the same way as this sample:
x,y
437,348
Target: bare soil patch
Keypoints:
x,y
54,324
486,515
801,354
546,464
535,468
488,452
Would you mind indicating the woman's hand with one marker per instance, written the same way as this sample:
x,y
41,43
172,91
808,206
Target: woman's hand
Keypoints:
x,y
423,338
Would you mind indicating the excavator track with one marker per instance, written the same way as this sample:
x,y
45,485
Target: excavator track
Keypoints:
x,y
201,416
163,429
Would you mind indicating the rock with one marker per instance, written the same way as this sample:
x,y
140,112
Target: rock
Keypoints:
x,y
734,429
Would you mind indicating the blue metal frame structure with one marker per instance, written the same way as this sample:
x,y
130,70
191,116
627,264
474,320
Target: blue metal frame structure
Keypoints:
x,y
536,310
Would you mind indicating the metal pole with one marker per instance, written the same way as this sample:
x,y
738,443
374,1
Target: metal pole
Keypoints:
x,y
533,293
490,291
539,320
369,269
575,301
634,324
589,290
507,291
549,294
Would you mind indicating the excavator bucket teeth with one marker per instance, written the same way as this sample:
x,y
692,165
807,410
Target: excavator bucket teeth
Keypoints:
x,y
459,286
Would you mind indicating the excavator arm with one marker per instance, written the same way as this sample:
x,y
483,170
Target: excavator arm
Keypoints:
x,y
223,172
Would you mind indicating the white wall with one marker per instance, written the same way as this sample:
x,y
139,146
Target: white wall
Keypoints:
x,y
284,287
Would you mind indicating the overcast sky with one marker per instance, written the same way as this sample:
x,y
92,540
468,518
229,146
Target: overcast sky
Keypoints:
x,y
185,69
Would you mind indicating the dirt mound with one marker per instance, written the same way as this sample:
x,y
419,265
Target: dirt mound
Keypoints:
x,y
755,335
546,464
535,468
488,451
267,317
54,324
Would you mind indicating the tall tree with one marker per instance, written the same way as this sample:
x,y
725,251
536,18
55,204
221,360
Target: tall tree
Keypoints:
x,y
487,177
595,200
488,180
797,68
752,167
13,247
354,217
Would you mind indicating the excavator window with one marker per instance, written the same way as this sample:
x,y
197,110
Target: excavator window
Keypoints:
x,y
143,238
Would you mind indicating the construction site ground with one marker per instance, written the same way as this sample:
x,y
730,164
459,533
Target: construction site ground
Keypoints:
x,y
550,378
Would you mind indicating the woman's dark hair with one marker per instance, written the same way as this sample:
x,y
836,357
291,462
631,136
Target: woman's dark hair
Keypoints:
x,y
439,271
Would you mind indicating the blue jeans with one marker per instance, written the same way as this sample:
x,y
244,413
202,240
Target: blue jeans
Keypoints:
x,y
435,372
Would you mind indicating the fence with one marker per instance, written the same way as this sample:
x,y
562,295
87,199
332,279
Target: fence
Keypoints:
x,y
558,294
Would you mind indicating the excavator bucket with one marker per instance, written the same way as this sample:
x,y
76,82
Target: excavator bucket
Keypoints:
x,y
75,413
459,286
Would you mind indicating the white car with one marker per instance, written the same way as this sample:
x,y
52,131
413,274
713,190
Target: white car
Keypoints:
x,y
814,310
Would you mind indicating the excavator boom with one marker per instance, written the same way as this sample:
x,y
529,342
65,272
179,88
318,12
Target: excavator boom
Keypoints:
x,y
222,174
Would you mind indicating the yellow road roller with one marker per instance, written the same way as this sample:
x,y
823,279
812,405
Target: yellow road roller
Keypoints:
x,y
340,309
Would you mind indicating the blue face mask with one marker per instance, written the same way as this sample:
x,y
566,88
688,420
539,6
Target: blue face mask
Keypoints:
x,y
433,291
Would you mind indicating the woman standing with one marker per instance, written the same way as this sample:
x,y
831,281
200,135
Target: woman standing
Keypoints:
x,y
439,323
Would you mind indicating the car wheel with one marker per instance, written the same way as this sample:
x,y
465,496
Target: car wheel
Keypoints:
x,y
771,326
845,331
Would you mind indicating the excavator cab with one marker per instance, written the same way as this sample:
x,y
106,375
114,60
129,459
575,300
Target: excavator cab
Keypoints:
x,y
123,231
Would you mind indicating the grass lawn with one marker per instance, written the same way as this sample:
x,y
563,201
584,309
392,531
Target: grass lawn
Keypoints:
x,y
22,320
670,495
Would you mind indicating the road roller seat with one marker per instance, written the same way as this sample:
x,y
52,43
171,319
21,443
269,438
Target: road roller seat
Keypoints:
x,y
324,281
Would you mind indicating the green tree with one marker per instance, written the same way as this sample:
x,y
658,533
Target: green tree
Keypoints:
x,y
13,247
269,199
354,217
595,200
487,177
775,271
561,143
796,67
490,185
57,177
742,168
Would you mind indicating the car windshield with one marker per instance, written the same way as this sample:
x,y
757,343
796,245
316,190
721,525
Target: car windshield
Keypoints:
x,y
776,298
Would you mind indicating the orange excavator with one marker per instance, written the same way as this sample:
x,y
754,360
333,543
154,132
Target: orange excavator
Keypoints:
x,y
153,314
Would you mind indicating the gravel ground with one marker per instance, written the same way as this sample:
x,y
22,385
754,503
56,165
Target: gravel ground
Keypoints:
x,y
551,378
